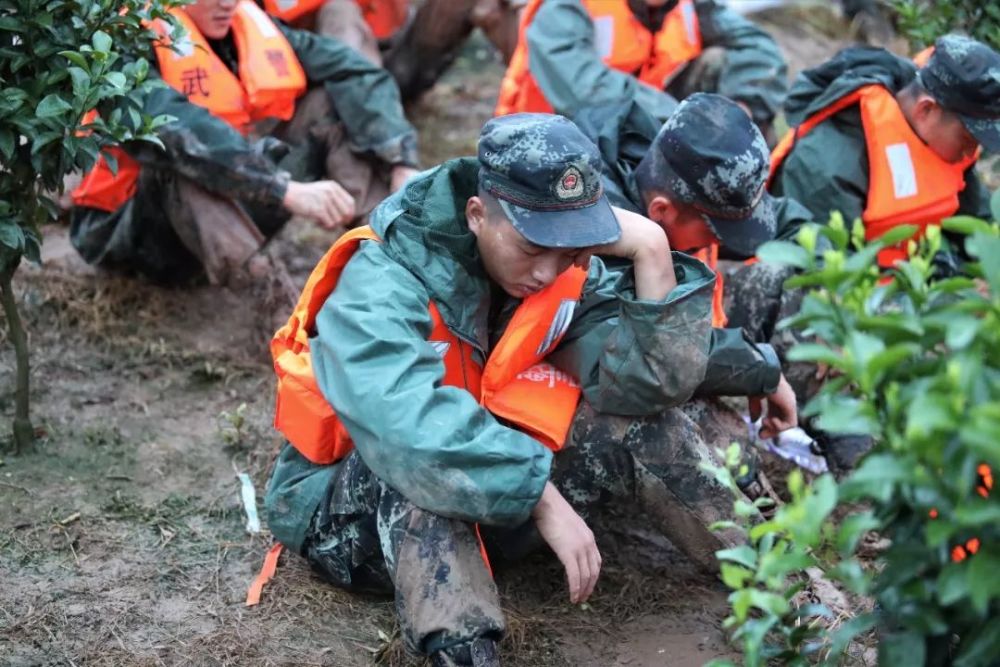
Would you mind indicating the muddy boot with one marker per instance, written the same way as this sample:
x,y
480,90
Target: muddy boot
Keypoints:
x,y
480,653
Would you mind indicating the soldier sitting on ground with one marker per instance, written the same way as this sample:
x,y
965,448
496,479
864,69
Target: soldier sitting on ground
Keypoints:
x,y
208,200
877,139
430,383
576,53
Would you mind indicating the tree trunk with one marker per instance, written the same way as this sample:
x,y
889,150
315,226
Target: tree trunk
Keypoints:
x,y
24,433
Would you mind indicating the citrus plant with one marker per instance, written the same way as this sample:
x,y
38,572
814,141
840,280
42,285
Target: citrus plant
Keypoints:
x,y
60,59
917,367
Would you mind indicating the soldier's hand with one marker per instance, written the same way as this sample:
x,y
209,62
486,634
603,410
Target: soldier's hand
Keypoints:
x,y
571,540
645,243
399,175
782,411
325,202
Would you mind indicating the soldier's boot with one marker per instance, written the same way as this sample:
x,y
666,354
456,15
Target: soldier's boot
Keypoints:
x,y
482,652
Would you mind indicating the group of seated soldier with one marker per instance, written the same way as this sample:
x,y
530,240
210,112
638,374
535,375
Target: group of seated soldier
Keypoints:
x,y
504,344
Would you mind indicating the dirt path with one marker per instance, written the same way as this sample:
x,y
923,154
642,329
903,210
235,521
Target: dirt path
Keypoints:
x,y
122,540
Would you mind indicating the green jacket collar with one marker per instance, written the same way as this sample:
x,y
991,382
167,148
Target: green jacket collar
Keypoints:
x,y
424,229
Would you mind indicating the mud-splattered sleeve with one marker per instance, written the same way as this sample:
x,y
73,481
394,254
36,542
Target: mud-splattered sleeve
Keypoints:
x,y
208,151
365,96
637,357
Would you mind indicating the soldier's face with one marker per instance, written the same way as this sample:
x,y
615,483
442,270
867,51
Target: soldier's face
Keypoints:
x,y
213,17
943,131
518,266
687,229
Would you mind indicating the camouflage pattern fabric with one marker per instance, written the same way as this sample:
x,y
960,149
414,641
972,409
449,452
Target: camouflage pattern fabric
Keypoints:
x,y
368,537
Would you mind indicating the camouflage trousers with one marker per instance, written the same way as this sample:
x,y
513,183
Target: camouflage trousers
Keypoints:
x,y
173,230
756,301
368,537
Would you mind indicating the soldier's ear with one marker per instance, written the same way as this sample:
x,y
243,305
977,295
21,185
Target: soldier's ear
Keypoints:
x,y
475,214
661,211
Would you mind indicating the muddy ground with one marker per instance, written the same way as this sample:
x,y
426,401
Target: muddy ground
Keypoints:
x,y
122,539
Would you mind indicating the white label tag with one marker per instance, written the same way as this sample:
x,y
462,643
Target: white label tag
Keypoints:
x,y
904,176
687,12
264,24
560,323
604,35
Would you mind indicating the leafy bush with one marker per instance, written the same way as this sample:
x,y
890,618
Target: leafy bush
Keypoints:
x,y
923,21
917,364
58,60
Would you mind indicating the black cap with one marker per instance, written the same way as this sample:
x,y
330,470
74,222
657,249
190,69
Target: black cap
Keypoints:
x,y
963,75
547,176
713,158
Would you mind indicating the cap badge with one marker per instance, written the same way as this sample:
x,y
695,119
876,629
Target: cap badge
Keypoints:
x,y
570,184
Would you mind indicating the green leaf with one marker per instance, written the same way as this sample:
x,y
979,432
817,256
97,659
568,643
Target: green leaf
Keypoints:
x,y
734,576
988,251
6,143
902,649
980,648
965,224
875,478
816,353
744,555
77,59
995,205
841,414
101,41
984,578
116,79
852,529
952,584
898,234
784,252
52,105
11,236
961,331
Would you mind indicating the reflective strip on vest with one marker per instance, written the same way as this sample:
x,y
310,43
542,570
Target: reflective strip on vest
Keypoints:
x,y
516,384
291,10
908,183
710,256
621,41
271,79
384,17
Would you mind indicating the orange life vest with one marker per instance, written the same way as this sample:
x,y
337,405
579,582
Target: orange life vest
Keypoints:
x,y
623,43
908,184
270,80
515,385
384,17
710,256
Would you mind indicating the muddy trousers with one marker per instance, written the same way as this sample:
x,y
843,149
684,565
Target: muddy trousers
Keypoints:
x,y
174,229
368,537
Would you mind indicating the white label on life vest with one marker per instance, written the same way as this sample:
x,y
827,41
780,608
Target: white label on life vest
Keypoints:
x,y
560,323
440,346
687,12
604,35
285,5
904,176
257,15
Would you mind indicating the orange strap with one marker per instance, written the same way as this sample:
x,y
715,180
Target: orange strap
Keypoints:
x,y
265,575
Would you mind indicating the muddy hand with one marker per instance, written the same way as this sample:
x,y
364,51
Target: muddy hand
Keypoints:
x,y
325,202
571,540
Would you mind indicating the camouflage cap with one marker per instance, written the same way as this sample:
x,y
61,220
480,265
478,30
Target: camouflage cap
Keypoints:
x,y
963,75
547,176
715,159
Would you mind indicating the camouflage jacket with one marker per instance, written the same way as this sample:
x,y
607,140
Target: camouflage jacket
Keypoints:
x,y
210,152
565,62
436,444
827,170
